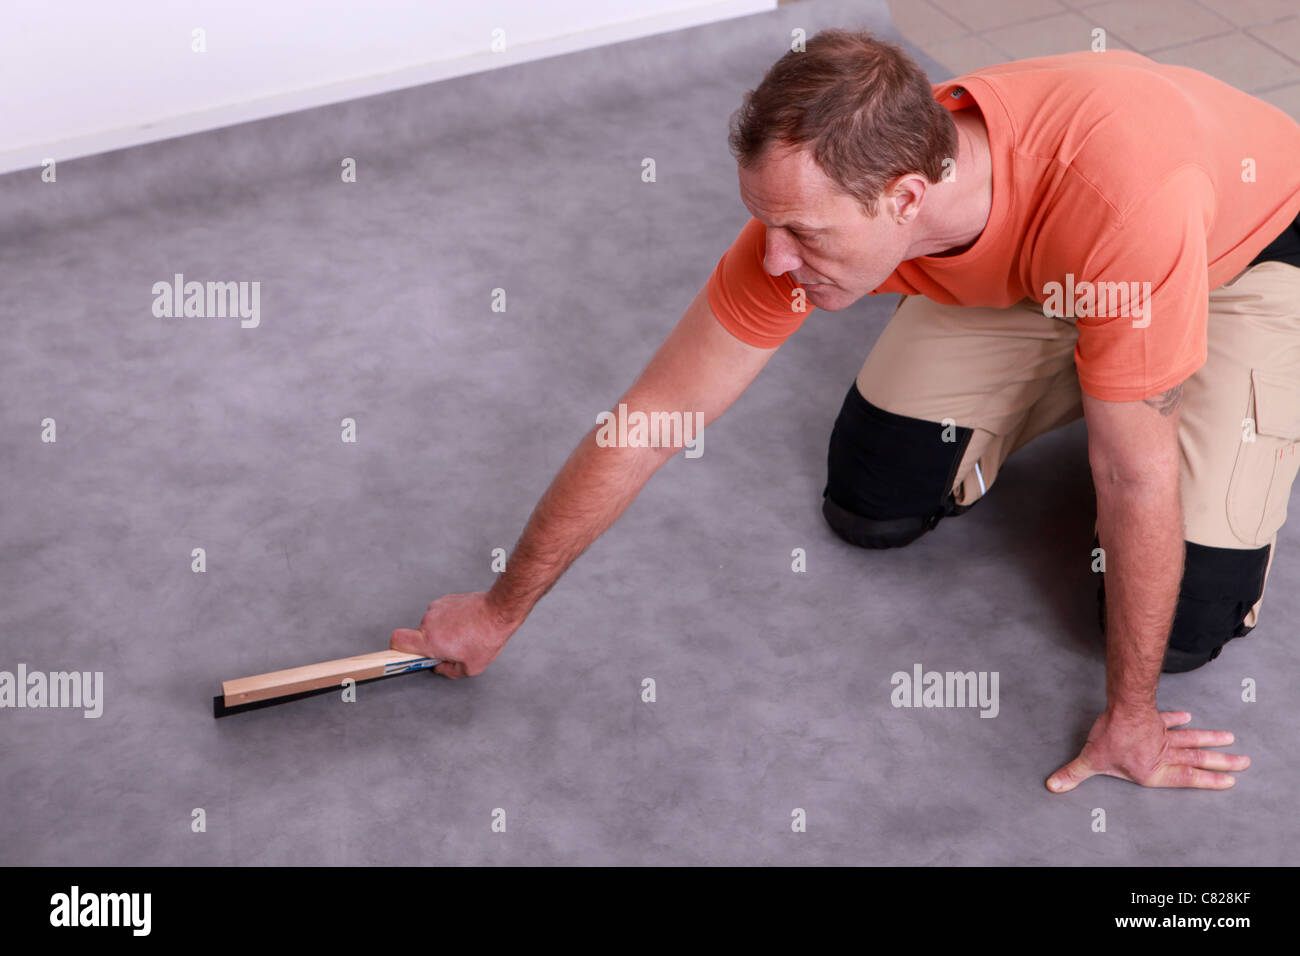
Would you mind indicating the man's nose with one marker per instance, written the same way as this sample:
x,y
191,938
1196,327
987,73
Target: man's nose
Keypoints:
x,y
779,256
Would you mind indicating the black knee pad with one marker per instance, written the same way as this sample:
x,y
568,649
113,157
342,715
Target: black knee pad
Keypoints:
x,y
889,477
1219,587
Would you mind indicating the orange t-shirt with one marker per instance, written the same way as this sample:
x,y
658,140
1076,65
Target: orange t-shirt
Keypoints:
x,y
1107,168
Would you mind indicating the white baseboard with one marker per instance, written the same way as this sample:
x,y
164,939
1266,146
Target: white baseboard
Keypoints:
x,y
33,155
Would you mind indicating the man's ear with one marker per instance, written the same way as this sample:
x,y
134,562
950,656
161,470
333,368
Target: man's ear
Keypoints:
x,y
901,200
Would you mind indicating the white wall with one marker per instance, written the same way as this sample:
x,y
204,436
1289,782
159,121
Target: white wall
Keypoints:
x,y
83,76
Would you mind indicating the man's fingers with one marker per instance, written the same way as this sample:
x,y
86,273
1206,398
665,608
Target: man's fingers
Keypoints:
x,y
1208,759
1183,775
1070,776
1200,738
414,641
1173,718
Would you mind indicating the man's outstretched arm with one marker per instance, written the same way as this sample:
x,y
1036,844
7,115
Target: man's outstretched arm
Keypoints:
x,y
1133,451
700,368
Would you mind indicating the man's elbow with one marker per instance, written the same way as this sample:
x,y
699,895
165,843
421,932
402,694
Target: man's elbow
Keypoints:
x,y
1153,468
1139,494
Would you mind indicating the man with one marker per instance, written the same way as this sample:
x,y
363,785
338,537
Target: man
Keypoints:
x,y
1092,234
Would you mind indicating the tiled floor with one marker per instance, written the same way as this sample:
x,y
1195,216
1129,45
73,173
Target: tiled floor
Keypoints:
x,y
1252,44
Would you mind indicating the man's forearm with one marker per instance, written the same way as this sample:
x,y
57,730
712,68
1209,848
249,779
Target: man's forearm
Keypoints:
x,y
1141,529
593,488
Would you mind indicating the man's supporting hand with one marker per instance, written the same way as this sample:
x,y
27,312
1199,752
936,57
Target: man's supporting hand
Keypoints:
x,y
464,630
1133,449
1143,747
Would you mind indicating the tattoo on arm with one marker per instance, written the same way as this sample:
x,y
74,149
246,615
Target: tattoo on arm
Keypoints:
x,y
1167,402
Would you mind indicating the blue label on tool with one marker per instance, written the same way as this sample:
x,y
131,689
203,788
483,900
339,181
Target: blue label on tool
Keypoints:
x,y
402,667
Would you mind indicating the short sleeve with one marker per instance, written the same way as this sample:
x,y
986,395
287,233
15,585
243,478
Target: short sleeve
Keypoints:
x,y
755,307
1146,328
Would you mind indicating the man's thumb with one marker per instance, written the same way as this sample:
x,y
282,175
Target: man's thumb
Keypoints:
x,y
407,639
1069,776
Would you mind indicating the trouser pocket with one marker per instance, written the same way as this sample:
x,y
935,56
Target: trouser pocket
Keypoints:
x,y
1267,460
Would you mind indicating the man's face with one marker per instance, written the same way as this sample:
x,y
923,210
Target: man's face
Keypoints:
x,y
817,233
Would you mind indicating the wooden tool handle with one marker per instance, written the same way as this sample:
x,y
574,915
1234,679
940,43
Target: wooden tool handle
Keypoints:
x,y
295,680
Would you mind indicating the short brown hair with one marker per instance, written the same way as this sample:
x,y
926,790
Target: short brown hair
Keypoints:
x,y
861,105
